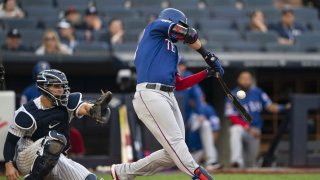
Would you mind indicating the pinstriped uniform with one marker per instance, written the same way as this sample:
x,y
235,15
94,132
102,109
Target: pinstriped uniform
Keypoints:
x,y
26,151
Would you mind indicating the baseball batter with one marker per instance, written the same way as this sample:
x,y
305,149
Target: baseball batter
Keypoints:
x,y
39,132
154,101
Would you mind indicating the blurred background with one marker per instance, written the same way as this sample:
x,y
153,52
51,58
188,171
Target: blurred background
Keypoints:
x,y
93,42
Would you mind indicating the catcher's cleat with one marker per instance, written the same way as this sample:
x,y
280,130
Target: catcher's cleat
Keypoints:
x,y
113,172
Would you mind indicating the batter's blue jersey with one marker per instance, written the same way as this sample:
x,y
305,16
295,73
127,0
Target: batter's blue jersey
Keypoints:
x,y
254,102
156,57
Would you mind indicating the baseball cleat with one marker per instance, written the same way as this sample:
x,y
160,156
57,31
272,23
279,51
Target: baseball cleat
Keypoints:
x,y
201,174
214,166
113,172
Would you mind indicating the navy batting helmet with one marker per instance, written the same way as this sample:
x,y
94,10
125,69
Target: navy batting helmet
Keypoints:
x,y
50,77
174,15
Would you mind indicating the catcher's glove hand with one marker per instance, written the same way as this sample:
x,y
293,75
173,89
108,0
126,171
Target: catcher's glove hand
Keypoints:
x,y
100,111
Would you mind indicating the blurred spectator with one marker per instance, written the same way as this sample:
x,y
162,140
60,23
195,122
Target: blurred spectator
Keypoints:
x,y
91,23
244,137
67,35
76,143
51,44
287,28
73,16
10,9
32,92
257,22
151,18
202,124
202,132
116,32
13,42
280,4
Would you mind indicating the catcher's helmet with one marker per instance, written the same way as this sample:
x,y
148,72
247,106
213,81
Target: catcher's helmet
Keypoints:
x,y
40,66
174,15
51,77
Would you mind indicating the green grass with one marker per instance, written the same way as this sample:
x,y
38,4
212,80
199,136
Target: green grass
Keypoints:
x,y
180,176
176,176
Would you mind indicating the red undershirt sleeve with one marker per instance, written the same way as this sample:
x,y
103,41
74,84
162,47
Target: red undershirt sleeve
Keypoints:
x,y
184,83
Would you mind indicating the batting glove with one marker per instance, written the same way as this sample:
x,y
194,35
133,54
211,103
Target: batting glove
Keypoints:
x,y
210,58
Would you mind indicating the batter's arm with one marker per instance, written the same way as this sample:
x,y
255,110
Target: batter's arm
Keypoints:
x,y
8,153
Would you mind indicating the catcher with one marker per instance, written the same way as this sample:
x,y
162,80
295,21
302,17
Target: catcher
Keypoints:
x,y
38,136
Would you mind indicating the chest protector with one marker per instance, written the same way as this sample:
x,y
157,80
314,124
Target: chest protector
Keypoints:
x,y
46,120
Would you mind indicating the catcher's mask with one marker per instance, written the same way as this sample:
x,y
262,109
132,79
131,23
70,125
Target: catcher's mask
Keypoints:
x,y
46,78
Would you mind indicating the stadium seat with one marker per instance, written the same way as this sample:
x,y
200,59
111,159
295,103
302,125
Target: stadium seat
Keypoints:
x,y
306,14
223,36
258,3
243,46
195,14
110,3
315,25
178,4
126,47
68,3
214,46
38,12
134,23
144,3
28,23
276,47
49,22
132,35
120,12
307,42
33,36
91,47
262,38
228,13
39,3
242,24
215,24
214,3
3,36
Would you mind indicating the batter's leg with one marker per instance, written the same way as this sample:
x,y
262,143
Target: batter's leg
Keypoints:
x,y
155,111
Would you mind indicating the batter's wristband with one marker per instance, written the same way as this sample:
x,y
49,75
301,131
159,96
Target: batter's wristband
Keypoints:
x,y
203,51
281,108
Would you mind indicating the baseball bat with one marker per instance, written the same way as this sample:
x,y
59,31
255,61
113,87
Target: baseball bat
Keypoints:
x,y
244,114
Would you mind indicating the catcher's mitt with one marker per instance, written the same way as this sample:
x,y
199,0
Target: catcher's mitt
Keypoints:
x,y
100,111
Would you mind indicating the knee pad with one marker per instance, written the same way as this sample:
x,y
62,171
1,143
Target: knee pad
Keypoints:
x,y
53,146
54,143
91,177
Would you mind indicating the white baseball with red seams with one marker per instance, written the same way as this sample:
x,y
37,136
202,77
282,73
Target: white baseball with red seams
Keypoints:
x,y
241,94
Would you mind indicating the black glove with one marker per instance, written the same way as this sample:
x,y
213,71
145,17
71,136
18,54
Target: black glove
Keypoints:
x,y
100,111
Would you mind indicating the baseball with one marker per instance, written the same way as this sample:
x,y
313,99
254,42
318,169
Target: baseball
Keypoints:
x,y
241,94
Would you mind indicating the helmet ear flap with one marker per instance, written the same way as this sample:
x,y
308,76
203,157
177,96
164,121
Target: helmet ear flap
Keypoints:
x,y
183,24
